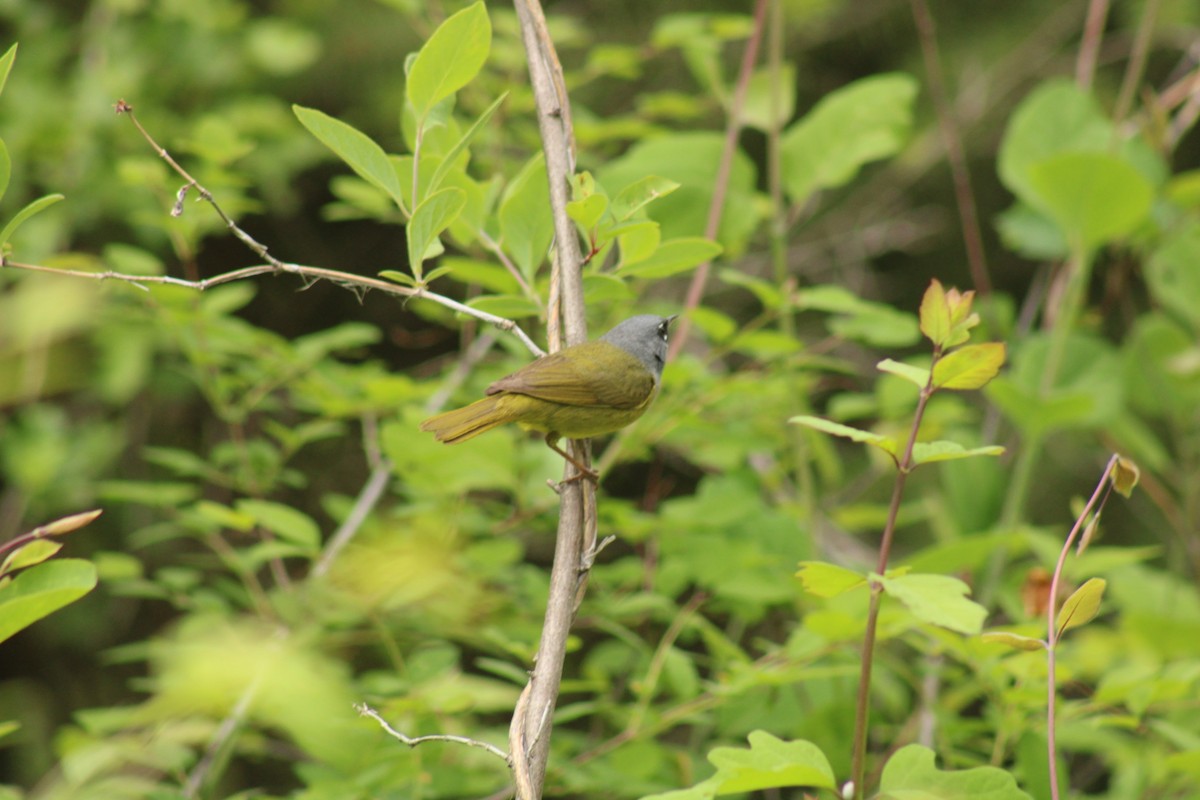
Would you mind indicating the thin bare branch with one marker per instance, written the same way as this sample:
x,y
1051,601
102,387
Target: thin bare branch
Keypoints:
x,y
345,279
533,719
1089,46
413,741
964,195
716,209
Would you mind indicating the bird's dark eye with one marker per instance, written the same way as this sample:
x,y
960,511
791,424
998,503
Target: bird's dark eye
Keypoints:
x,y
662,329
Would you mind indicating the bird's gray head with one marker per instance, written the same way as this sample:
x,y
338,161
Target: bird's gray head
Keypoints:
x,y
645,337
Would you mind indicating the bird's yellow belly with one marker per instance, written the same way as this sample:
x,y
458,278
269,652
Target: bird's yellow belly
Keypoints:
x,y
572,422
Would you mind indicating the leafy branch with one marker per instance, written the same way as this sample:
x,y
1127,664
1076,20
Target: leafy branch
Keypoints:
x,y
946,320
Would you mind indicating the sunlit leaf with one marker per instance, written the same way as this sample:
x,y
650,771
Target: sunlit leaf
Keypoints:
x,y
937,599
771,762
1082,606
910,774
828,580
639,194
969,367
943,450
915,375
41,590
450,58
431,217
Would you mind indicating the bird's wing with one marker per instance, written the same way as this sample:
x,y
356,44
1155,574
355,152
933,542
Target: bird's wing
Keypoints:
x,y
583,375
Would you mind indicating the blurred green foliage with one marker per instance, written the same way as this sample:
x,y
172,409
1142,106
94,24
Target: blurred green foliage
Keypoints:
x,y
227,434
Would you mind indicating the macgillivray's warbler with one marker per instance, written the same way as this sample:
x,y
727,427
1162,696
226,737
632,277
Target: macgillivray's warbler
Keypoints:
x,y
581,391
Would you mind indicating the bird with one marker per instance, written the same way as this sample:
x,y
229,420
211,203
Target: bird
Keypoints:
x,y
581,391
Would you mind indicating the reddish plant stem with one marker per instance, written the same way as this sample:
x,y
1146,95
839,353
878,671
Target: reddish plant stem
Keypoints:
x,y
1098,498
964,195
862,704
1089,46
716,208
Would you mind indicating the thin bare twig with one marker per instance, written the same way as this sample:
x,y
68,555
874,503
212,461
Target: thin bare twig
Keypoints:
x,y
862,701
413,741
273,264
1137,60
1098,498
221,736
275,267
716,209
1089,46
964,196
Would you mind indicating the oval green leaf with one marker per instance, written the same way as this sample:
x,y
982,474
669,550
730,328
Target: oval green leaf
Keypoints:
x,y
865,121
970,367
450,59
41,590
1095,198
25,213
354,147
674,256
1082,606
433,216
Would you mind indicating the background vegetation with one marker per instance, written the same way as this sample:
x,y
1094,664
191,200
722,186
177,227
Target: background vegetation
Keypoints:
x,y
231,435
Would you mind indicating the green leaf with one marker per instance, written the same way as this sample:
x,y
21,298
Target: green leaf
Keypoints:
x,y
1056,117
149,493
942,450
587,211
916,375
639,194
450,59
509,306
1033,414
767,292
42,590
433,216
35,552
770,99
5,168
828,580
885,443
1082,606
461,145
1013,640
674,256
25,213
935,313
770,763
690,159
526,227
1095,198
910,774
284,521
6,62
970,367
638,242
1171,273
705,790
354,147
396,276
865,121
938,600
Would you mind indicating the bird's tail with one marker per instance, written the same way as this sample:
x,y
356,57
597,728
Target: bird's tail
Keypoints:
x,y
467,422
